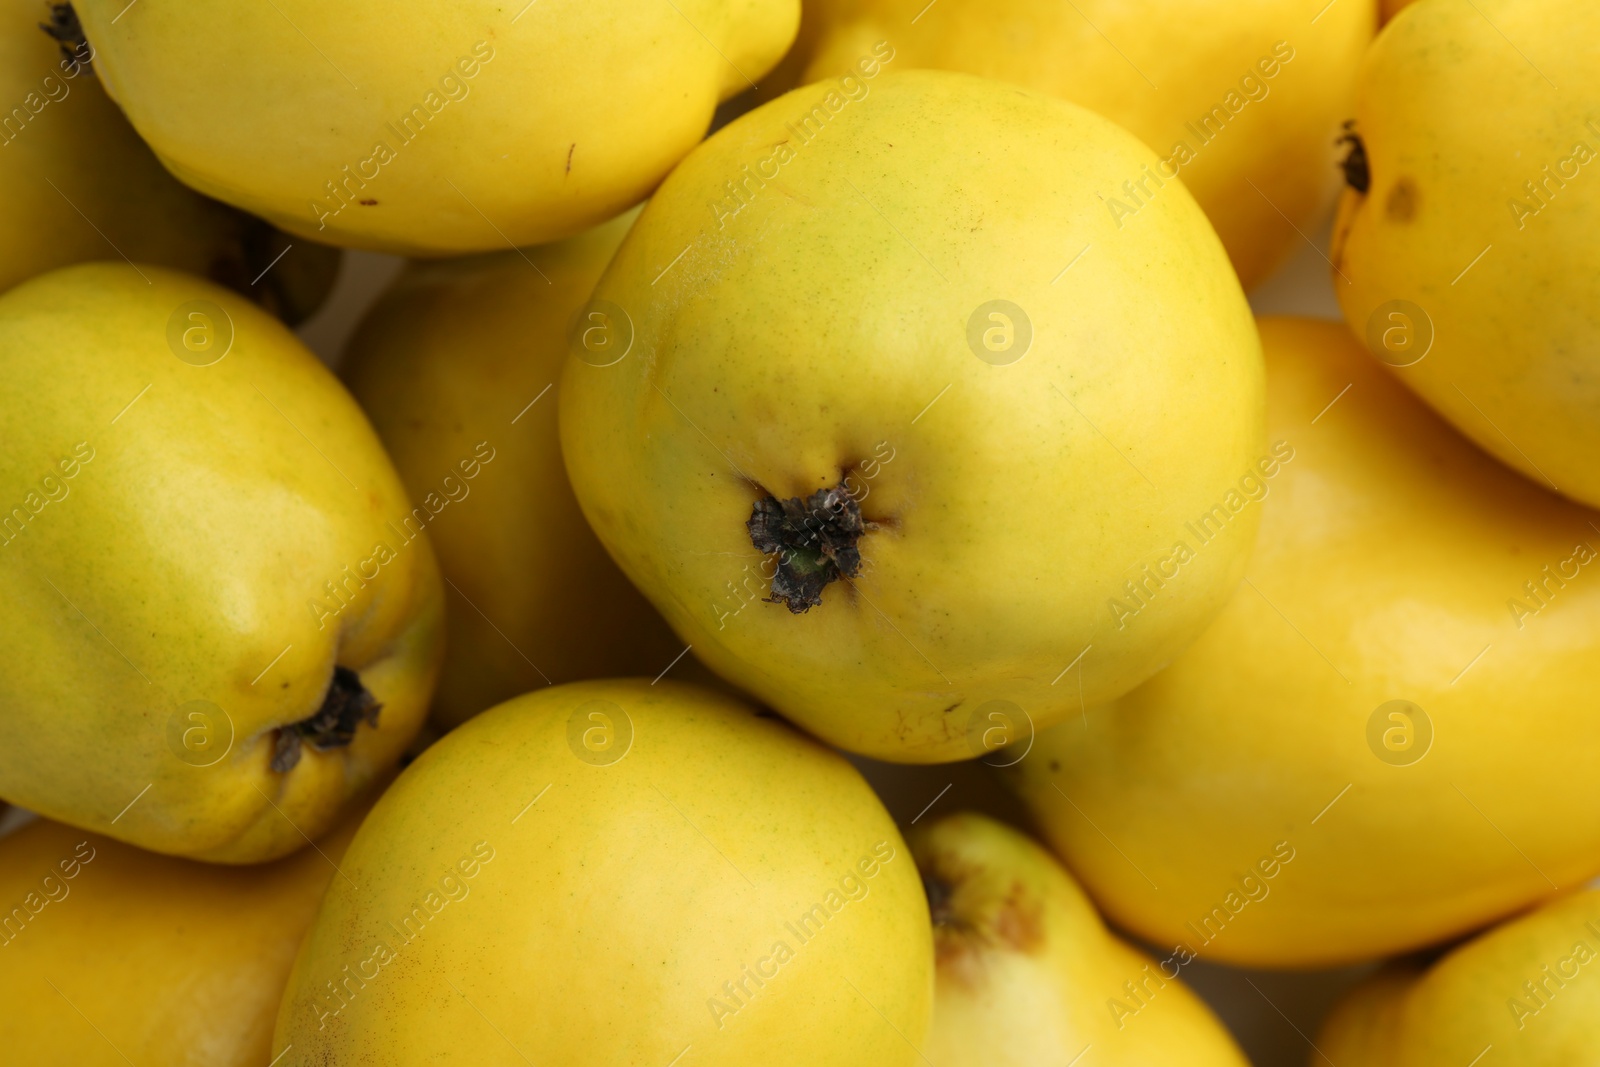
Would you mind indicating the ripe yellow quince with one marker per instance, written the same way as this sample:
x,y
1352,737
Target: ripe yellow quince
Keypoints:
x,y
427,129
1027,974
115,955
456,366
1522,992
1242,101
618,872
224,618
1362,755
77,184
1465,249
866,404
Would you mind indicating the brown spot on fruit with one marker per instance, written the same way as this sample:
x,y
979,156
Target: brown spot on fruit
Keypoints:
x,y
1401,206
968,921
1019,924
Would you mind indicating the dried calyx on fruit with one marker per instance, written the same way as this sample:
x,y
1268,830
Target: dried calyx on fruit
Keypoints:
x,y
1357,173
346,706
939,891
814,540
296,289
67,31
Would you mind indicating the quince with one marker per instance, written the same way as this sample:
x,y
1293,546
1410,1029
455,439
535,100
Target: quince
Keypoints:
x,y
224,616
1027,972
426,128
456,366
112,952
619,872
897,428
1523,989
1242,101
77,184
1362,755
1464,247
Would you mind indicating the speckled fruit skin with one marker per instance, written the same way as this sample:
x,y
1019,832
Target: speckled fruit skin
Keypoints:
x,y
1451,244
426,128
173,533
1274,84
1392,564
829,330
460,359
586,874
175,962
77,184
1477,997
1028,974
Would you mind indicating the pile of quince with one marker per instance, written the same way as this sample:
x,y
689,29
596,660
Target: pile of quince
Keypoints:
x,y
577,675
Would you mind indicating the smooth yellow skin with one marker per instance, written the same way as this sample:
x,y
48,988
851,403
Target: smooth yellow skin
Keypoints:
x,y
1390,550
183,562
614,900
808,343
77,184
169,961
1153,67
1478,997
1029,975
1455,122
559,115
442,364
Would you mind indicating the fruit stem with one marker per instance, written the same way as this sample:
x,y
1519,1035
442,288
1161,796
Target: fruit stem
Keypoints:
x,y
67,32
